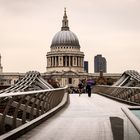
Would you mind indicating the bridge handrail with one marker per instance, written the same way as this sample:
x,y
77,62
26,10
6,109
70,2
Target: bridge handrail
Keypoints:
x,y
18,108
29,92
126,94
118,87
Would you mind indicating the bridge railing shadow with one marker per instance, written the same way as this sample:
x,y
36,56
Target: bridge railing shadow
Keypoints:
x,y
20,108
130,95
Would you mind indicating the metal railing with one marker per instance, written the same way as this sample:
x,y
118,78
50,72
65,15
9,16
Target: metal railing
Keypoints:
x,y
19,108
127,94
31,81
129,78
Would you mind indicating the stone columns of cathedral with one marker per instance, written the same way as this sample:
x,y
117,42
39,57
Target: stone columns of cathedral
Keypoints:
x,y
65,61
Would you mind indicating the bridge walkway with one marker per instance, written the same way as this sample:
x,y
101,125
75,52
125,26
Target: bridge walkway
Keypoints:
x,y
86,119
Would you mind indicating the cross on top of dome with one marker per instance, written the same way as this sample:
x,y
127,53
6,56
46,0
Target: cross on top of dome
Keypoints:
x,y
65,26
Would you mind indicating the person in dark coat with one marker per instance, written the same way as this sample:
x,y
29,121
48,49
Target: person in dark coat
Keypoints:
x,y
88,89
80,86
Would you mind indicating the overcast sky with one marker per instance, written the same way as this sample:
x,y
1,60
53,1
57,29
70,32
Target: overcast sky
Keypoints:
x,y
107,27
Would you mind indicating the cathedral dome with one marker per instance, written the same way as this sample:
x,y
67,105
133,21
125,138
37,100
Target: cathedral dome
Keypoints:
x,y
65,38
65,54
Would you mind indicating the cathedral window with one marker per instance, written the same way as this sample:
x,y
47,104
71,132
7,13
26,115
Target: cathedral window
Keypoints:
x,y
70,80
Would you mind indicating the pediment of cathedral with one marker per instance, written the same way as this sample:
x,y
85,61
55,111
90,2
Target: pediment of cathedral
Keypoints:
x,y
70,73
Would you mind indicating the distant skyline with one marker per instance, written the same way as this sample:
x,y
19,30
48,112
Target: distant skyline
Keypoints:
x,y
107,27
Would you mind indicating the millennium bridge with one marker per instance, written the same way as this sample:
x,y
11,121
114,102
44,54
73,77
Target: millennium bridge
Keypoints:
x,y
33,110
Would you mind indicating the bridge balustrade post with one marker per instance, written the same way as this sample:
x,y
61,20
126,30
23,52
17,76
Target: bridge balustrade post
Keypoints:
x,y
2,122
24,115
138,95
17,111
51,100
43,104
39,105
32,113
47,101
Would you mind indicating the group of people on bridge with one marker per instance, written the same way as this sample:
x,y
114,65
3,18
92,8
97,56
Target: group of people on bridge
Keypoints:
x,y
86,87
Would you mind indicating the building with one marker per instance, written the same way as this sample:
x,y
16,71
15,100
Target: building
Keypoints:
x,y
65,59
1,68
86,66
100,63
65,62
65,54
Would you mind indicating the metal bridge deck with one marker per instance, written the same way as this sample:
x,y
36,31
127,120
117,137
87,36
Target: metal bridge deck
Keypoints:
x,y
86,119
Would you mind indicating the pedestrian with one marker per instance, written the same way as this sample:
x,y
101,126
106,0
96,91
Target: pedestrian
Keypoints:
x,y
88,89
80,87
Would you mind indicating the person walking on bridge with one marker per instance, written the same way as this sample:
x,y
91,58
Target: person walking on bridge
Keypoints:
x,y
80,87
88,89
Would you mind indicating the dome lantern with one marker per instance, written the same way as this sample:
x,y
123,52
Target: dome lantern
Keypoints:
x,y
65,26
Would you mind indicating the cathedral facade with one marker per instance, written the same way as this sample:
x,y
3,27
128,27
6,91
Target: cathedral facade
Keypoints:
x,y
65,54
65,57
